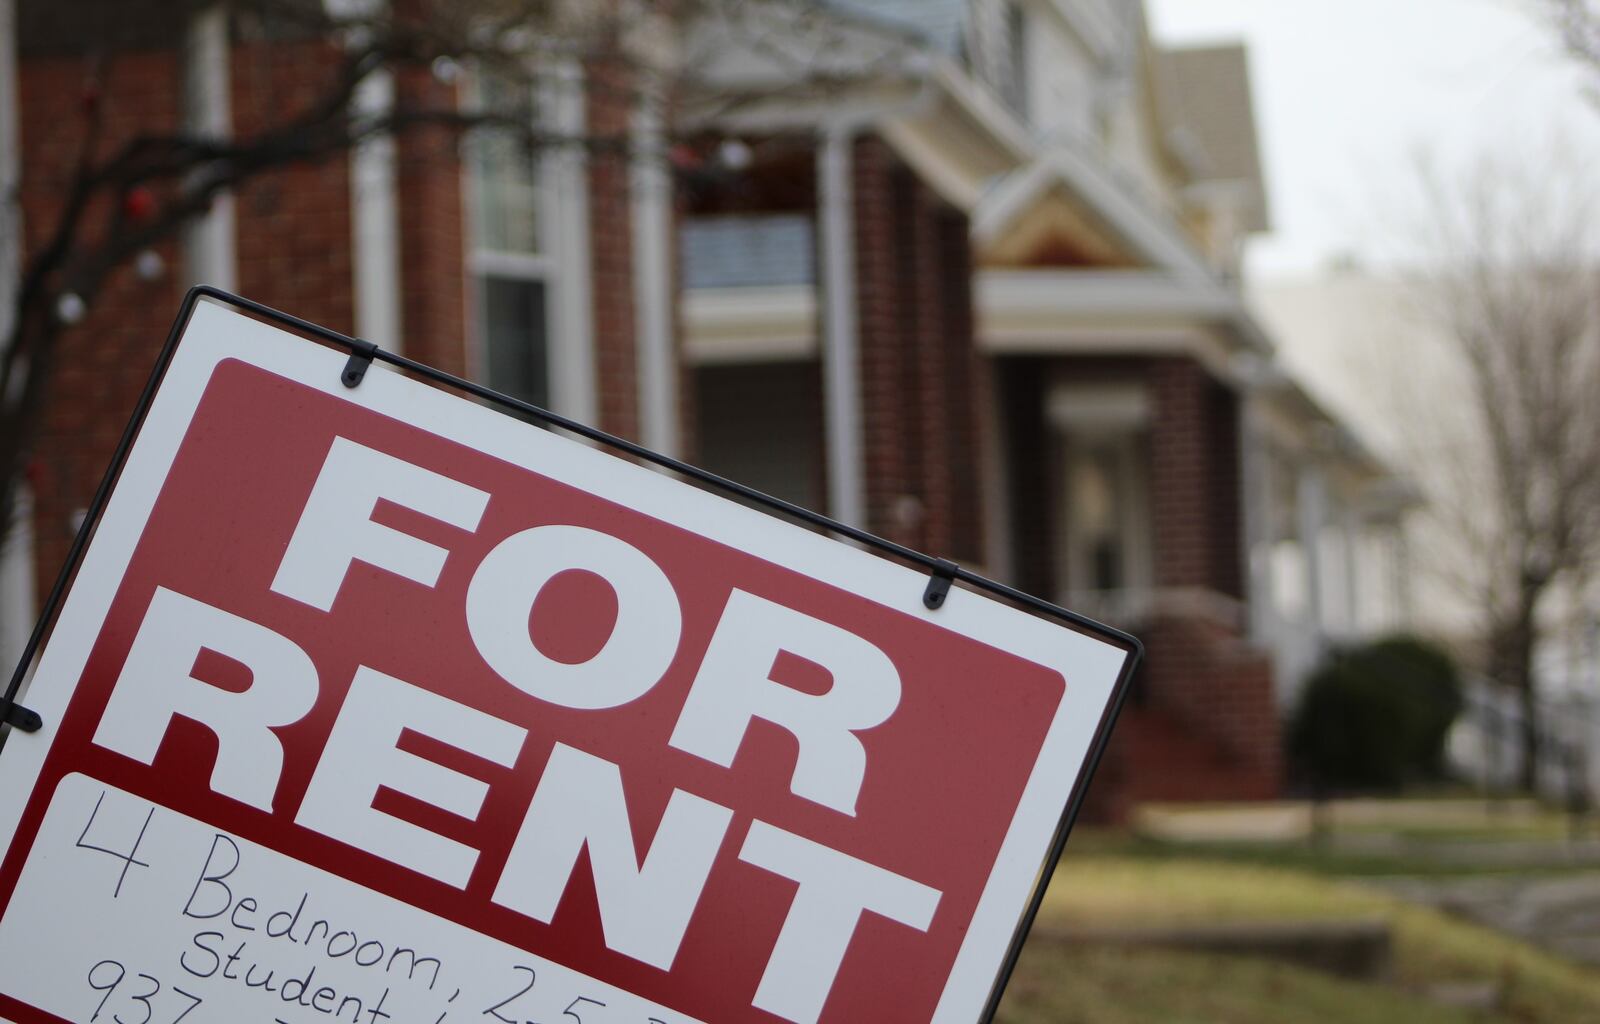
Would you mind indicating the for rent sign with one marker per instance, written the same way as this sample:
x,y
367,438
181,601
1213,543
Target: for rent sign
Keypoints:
x,y
375,705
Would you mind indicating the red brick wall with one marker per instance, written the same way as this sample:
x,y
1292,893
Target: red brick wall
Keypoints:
x,y
1194,478
1223,414
435,315
1203,674
1028,448
963,386
103,362
918,360
686,394
293,224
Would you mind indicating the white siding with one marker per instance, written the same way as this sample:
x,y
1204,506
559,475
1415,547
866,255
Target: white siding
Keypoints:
x,y
1063,83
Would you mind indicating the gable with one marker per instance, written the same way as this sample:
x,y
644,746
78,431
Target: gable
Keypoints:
x,y
1055,231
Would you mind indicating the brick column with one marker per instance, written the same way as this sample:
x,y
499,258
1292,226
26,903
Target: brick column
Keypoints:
x,y
608,110
930,361
293,225
883,398
1200,669
917,358
1194,478
429,186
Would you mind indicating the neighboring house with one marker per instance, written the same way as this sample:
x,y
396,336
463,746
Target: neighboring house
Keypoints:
x,y
1112,407
968,281
1369,340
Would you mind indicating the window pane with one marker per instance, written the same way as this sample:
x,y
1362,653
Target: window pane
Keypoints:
x,y
515,338
1014,83
505,214
1100,507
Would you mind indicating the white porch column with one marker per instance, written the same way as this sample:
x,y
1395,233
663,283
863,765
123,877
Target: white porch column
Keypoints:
x,y
1352,531
209,250
1400,566
1255,487
17,605
375,222
1312,499
564,210
841,349
651,188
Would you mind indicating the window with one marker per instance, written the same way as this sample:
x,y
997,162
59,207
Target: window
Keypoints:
x,y
1103,525
1105,532
1014,66
510,264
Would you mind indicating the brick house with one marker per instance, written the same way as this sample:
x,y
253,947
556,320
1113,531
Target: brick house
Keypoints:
x,y
977,294
533,279
1119,439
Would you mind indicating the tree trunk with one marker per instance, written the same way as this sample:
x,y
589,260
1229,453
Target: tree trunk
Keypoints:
x,y
1531,739
1511,664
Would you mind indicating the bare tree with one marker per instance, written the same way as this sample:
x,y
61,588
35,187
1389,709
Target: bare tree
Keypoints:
x,y
1577,22
120,199
1507,430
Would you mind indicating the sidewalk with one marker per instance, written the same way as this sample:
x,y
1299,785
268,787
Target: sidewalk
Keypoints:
x,y
1496,860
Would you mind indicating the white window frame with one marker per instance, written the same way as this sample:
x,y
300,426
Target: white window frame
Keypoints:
x,y
562,263
210,250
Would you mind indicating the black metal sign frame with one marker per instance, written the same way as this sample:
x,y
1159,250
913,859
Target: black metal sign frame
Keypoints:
x,y
942,573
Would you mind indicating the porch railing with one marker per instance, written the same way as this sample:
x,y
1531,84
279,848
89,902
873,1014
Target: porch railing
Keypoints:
x,y
748,251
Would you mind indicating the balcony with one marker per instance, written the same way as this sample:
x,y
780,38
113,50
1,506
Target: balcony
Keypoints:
x,y
750,288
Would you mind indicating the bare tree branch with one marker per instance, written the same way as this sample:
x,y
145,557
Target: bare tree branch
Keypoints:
x,y
1511,261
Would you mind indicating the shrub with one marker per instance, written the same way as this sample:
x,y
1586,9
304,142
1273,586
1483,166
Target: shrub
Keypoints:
x,y
1375,717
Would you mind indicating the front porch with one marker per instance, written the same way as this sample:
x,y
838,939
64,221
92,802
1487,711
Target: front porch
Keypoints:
x,y
1123,479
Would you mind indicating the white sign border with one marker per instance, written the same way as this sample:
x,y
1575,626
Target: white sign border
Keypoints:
x,y
1090,667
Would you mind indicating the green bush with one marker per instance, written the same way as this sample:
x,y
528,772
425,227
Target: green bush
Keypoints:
x,y
1375,717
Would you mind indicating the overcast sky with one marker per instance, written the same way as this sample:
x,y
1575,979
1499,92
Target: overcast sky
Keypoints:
x,y
1347,91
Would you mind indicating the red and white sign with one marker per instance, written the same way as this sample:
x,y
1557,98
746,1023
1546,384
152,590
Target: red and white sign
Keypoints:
x,y
376,705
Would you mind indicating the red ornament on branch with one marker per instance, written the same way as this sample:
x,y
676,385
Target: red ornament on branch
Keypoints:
x,y
138,203
685,157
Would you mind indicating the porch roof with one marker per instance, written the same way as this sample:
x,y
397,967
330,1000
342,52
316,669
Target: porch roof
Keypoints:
x,y
779,69
1076,310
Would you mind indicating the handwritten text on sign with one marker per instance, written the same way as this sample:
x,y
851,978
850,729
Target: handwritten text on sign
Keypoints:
x,y
188,920
580,727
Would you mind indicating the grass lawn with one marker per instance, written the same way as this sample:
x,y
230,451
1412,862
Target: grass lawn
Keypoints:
x,y
1056,985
